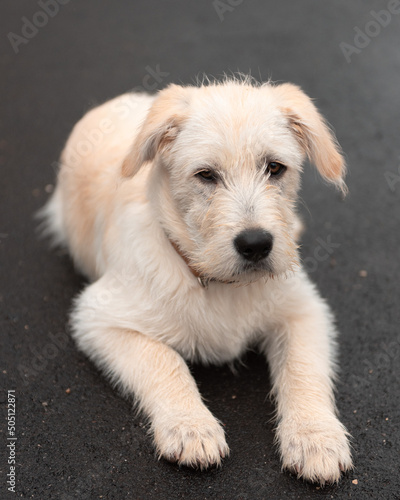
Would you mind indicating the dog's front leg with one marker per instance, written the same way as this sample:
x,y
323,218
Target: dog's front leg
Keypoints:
x,y
312,441
184,430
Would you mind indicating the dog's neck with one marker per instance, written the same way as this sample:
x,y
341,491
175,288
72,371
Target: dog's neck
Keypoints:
x,y
202,281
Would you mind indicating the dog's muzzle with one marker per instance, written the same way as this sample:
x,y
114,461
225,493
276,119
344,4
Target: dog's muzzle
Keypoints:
x,y
254,245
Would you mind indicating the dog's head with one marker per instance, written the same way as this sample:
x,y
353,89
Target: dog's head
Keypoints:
x,y
226,162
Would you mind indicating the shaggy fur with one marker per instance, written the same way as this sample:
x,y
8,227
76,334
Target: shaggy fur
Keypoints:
x,y
143,225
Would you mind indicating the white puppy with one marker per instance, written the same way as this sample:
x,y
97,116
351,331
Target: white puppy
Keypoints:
x,y
170,204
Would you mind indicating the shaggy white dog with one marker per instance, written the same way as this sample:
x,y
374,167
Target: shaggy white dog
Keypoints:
x,y
170,204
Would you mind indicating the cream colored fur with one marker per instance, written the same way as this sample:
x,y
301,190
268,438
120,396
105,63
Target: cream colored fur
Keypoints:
x,y
121,201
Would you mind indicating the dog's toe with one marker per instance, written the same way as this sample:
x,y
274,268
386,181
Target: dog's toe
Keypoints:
x,y
193,442
315,452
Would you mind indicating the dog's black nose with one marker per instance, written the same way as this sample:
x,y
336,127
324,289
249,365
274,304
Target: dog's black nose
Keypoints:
x,y
254,244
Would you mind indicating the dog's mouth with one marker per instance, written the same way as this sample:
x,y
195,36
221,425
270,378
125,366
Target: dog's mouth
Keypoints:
x,y
245,274
252,272
251,269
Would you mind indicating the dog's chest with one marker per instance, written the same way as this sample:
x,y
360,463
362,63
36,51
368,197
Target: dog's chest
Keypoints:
x,y
216,325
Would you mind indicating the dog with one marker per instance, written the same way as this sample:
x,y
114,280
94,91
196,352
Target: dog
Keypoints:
x,y
180,208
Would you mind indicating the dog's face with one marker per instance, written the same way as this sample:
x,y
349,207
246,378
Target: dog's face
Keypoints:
x,y
227,164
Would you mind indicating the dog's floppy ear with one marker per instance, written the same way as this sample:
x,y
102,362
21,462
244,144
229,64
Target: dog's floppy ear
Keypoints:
x,y
313,133
161,127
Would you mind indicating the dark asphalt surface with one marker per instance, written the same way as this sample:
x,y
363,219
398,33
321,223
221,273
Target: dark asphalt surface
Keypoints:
x,y
76,437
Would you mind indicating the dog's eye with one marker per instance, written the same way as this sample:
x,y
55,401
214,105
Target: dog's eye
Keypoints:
x,y
275,169
207,175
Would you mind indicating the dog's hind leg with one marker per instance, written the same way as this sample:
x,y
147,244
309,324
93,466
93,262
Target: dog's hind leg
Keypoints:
x,y
184,430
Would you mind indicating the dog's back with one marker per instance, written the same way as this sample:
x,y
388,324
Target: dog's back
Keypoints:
x,y
76,214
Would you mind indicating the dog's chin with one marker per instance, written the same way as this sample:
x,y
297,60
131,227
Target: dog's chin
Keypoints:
x,y
244,274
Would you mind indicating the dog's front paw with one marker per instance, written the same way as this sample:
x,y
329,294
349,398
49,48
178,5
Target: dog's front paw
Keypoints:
x,y
191,440
315,451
